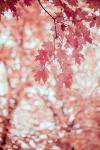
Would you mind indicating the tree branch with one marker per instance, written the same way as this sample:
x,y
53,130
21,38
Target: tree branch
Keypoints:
x,y
46,10
54,19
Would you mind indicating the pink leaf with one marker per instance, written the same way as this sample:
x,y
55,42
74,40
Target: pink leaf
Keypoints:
x,y
75,43
41,74
68,80
42,57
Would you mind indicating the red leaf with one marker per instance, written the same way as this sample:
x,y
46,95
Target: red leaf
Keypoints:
x,y
69,12
42,57
95,4
65,78
41,74
63,27
57,2
75,43
49,47
68,80
98,21
83,31
27,2
78,56
72,2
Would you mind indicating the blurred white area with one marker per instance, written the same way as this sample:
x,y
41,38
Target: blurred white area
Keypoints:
x,y
3,80
8,15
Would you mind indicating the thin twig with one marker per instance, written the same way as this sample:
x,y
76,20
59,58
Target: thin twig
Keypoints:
x,y
54,19
46,10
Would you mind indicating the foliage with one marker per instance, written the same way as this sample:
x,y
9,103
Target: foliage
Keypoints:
x,y
52,65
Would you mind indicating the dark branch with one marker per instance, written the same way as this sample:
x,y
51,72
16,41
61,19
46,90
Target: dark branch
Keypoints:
x,y
46,10
54,19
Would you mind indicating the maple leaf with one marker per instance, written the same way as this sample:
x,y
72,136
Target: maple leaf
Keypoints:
x,y
78,56
12,6
94,4
68,79
73,2
28,2
49,47
42,57
63,27
5,5
75,43
69,12
98,21
65,78
41,74
83,31
57,2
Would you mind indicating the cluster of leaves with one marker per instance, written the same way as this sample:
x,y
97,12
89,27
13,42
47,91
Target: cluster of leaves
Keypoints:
x,y
69,31
71,23
11,4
